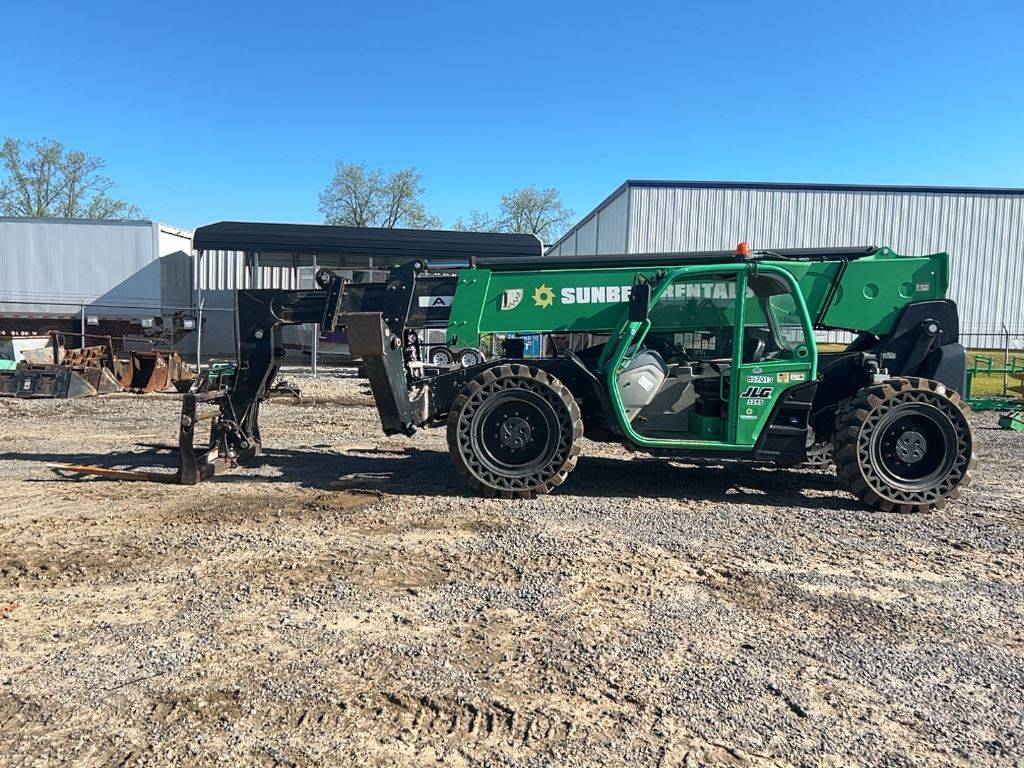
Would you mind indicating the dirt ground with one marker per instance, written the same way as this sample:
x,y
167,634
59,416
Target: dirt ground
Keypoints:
x,y
346,601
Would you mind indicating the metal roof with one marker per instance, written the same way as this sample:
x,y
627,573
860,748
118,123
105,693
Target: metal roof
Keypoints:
x,y
96,222
384,243
935,190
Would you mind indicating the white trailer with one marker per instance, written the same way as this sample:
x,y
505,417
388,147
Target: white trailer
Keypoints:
x,y
114,267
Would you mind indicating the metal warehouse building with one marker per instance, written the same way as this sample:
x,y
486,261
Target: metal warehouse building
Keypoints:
x,y
981,229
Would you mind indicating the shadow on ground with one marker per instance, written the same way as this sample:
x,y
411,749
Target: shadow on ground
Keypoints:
x,y
420,472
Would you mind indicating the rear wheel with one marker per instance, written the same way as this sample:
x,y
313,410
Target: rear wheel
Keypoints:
x,y
904,445
470,356
514,431
819,456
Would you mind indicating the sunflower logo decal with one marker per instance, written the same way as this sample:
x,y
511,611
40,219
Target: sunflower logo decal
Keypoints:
x,y
543,296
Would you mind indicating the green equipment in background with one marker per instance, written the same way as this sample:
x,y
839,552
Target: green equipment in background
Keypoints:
x,y
1013,421
985,365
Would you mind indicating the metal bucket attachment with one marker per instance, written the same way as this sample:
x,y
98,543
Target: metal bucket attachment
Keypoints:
x,y
87,357
151,371
52,381
101,379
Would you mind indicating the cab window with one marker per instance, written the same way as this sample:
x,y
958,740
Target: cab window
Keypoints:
x,y
772,327
694,318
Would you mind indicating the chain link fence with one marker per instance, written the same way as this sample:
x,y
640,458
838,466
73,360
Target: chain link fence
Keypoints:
x,y
124,329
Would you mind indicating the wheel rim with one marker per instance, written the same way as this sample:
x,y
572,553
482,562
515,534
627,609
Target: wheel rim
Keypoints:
x,y
441,357
515,434
470,357
913,446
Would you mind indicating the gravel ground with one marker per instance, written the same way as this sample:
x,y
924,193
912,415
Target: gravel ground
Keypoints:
x,y
346,601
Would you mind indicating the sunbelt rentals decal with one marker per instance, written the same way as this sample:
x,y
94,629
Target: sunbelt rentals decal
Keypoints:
x,y
545,296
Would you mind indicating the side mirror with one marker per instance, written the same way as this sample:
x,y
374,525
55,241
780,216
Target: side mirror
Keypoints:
x,y
639,302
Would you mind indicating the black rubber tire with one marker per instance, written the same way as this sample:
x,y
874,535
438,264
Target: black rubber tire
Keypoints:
x,y
549,398
819,456
861,424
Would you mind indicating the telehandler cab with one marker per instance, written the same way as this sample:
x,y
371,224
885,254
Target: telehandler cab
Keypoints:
x,y
705,355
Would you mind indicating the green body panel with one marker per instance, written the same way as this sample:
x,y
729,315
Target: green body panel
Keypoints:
x,y
869,296
872,290
864,294
481,295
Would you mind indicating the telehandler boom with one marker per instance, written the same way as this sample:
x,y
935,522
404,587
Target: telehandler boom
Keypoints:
x,y
707,354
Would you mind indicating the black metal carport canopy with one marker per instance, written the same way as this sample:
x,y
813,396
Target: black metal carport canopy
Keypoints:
x,y
389,244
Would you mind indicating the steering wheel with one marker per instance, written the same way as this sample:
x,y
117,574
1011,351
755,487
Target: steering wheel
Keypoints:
x,y
755,341
669,350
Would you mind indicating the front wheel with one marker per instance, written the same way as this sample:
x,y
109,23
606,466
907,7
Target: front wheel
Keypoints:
x,y
904,445
514,431
441,356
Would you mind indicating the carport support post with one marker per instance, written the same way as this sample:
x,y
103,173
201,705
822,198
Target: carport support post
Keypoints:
x,y
316,328
1006,359
82,341
199,313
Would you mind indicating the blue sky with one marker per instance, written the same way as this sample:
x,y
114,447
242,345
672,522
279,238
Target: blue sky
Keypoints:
x,y
216,110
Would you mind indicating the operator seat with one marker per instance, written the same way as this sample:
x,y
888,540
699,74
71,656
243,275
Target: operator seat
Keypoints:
x,y
640,381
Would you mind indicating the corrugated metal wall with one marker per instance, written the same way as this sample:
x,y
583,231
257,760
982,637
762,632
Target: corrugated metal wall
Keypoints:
x,y
982,232
604,231
227,271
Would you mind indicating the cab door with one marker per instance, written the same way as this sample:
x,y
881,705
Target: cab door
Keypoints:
x,y
694,314
746,322
777,349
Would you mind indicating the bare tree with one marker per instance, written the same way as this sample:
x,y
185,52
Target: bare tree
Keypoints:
x,y
45,179
535,211
360,197
527,210
478,222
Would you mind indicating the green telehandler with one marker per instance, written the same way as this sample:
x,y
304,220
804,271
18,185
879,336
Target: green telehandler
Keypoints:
x,y
699,355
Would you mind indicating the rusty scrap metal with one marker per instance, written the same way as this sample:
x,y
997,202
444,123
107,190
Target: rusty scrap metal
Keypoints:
x,y
153,371
86,357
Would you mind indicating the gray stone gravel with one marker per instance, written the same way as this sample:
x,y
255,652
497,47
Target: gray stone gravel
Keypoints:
x,y
347,601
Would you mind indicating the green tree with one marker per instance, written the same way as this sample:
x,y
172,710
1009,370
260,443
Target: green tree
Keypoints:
x,y
361,197
43,178
527,210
